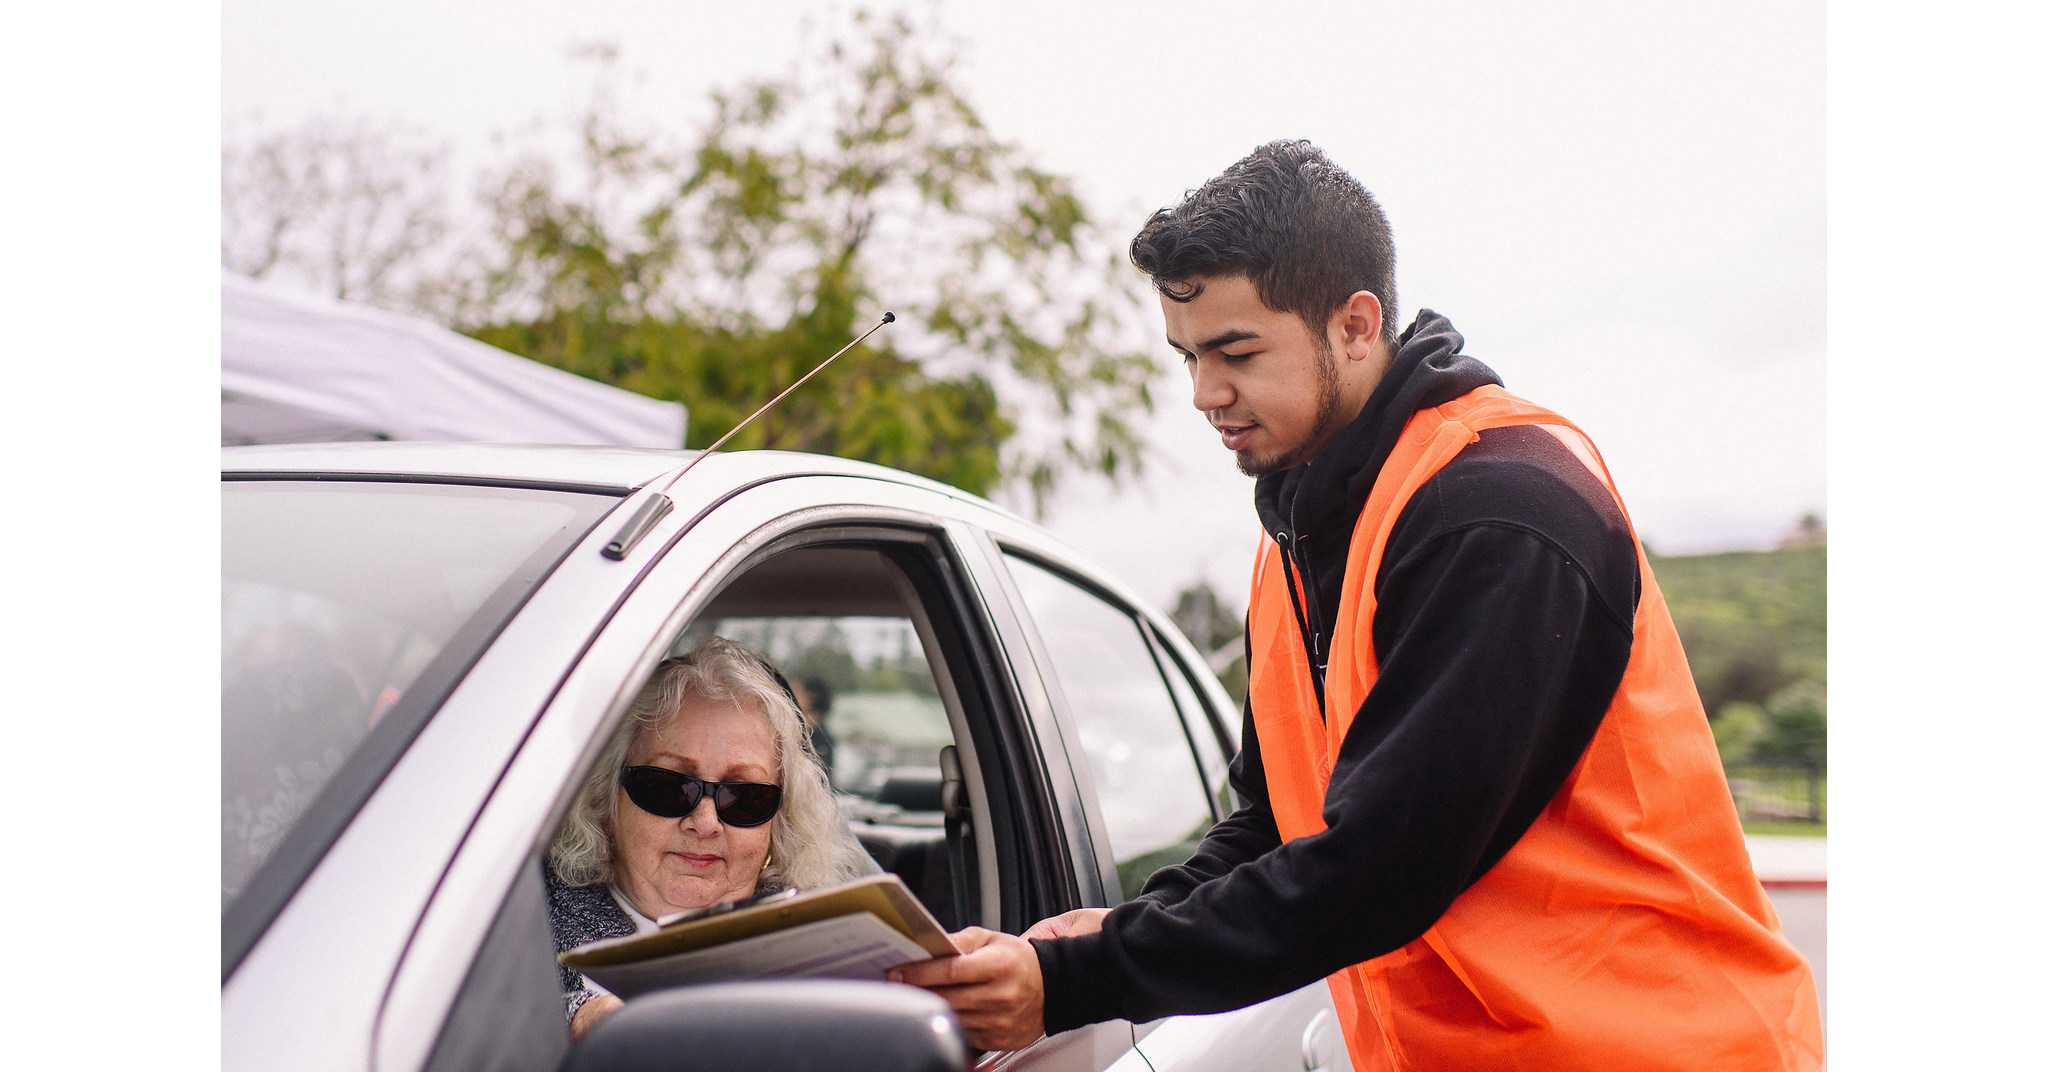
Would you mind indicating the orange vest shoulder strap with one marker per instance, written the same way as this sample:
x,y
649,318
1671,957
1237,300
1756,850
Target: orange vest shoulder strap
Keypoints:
x,y
1283,700
1430,440
1299,751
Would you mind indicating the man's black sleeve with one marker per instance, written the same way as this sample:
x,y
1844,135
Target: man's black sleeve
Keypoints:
x,y
1500,646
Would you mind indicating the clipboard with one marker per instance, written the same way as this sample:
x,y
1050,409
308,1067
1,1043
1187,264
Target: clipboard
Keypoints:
x,y
882,896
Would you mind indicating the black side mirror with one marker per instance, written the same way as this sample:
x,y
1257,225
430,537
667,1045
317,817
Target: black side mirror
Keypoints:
x,y
824,1025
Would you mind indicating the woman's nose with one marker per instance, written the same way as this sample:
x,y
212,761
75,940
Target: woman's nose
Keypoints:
x,y
702,817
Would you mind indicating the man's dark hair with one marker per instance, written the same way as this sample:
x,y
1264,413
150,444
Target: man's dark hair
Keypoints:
x,y
1306,233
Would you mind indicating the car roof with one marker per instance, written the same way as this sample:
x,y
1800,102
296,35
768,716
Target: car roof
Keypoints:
x,y
617,469
620,468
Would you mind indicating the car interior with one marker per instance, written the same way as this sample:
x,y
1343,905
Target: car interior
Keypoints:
x,y
846,627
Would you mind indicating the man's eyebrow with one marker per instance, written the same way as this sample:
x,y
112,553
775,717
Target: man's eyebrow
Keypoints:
x,y
1215,342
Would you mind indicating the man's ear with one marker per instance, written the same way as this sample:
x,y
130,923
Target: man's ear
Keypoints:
x,y
1355,326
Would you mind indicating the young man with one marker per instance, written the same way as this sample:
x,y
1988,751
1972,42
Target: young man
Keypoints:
x,y
1479,791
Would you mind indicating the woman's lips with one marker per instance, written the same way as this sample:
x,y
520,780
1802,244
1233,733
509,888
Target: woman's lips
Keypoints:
x,y
696,859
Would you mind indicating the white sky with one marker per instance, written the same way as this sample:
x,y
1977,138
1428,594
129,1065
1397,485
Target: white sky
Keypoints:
x,y
1621,205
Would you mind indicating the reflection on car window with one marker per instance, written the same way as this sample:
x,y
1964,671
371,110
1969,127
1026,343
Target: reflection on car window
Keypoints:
x,y
1208,749
1152,795
335,597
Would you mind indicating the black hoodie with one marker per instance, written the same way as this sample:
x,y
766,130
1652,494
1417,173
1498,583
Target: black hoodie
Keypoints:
x,y
1506,603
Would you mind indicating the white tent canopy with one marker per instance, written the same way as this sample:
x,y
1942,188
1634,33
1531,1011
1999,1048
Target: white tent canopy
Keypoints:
x,y
298,369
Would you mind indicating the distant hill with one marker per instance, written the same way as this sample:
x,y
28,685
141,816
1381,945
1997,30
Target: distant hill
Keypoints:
x,y
1754,622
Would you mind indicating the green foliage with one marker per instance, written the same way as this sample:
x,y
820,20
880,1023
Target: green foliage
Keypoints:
x,y
720,272
874,405
1796,726
1737,726
1753,622
1133,873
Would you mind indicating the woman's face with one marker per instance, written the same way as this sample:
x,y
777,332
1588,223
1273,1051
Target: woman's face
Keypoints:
x,y
668,865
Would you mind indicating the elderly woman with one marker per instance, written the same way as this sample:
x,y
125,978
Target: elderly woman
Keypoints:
x,y
708,792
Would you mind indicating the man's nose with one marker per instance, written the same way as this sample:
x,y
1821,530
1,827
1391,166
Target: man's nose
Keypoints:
x,y
1211,387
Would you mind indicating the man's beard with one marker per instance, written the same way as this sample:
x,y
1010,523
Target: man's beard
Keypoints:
x,y
1329,418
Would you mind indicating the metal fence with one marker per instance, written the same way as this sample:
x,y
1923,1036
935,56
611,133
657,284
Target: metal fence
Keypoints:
x,y
1788,790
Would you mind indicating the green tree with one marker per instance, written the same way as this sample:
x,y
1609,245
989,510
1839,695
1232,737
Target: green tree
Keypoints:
x,y
1754,623
719,272
1795,725
1736,727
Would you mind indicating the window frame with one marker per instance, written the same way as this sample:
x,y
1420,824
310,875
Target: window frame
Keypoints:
x,y
1153,638
1007,786
1207,723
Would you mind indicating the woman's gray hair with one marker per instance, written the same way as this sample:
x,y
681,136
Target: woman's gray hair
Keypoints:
x,y
809,845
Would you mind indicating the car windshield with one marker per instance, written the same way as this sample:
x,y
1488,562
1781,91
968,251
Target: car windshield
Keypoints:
x,y
350,607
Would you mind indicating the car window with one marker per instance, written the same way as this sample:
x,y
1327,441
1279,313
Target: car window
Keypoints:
x,y
865,679
1154,799
339,600
857,642
1212,749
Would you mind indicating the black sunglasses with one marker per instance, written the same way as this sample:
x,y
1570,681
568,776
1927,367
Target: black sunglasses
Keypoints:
x,y
673,794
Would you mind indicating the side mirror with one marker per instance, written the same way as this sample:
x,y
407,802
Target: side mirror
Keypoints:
x,y
826,1025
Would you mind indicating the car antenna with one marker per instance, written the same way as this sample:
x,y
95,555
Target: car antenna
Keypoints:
x,y
654,509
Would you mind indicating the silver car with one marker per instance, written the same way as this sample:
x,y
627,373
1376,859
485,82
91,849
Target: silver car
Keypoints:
x,y
424,645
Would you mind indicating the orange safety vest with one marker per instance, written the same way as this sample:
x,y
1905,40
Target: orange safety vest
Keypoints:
x,y
1626,928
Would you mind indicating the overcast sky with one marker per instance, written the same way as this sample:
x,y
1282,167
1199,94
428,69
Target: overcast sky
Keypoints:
x,y
1621,205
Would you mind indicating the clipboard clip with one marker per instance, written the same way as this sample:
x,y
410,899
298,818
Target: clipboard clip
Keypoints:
x,y
693,914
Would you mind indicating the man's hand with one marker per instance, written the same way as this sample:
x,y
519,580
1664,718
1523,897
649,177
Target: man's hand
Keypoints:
x,y
993,986
1068,924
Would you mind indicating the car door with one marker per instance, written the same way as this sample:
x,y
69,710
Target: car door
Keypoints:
x,y
1152,731
1025,850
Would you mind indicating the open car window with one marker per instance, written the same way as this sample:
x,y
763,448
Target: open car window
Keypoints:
x,y
857,642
